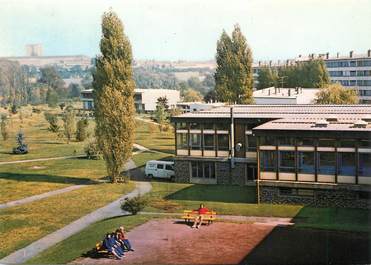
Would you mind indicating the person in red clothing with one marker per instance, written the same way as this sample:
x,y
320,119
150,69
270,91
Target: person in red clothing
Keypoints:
x,y
198,220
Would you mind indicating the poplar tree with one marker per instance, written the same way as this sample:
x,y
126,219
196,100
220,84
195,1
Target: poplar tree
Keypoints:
x,y
233,76
114,96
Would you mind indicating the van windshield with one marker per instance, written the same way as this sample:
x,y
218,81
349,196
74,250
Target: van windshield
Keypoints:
x,y
169,167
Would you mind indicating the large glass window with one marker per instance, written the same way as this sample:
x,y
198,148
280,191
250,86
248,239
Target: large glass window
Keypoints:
x,y
251,143
209,126
365,144
203,169
306,163
347,143
195,141
305,142
326,142
181,141
195,126
223,126
196,169
209,170
223,142
286,161
286,141
326,163
268,160
181,126
267,140
209,141
364,164
347,164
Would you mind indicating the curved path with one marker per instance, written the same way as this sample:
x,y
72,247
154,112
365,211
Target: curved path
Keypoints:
x,y
110,210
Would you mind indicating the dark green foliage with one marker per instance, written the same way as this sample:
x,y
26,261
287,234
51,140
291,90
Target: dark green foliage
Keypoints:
x,y
74,90
51,98
22,147
52,119
134,205
268,77
311,74
233,76
62,105
69,123
210,96
82,132
14,109
163,101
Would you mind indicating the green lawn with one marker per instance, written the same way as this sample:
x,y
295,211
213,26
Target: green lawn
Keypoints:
x,y
78,244
29,222
155,140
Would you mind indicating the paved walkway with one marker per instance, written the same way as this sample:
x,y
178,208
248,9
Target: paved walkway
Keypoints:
x,y
40,159
40,196
110,210
238,218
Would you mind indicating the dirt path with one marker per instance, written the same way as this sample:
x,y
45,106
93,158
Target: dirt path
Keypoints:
x,y
170,242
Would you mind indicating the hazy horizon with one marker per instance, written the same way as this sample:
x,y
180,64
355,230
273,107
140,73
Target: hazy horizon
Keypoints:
x,y
188,30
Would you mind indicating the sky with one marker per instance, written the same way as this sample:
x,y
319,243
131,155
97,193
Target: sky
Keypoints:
x,y
188,29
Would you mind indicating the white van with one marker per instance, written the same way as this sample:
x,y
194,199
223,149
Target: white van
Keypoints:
x,y
160,169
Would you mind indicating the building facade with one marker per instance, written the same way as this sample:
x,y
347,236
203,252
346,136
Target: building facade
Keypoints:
x,y
307,154
352,71
276,95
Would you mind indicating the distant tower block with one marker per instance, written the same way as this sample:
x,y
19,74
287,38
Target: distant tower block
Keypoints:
x,y
34,50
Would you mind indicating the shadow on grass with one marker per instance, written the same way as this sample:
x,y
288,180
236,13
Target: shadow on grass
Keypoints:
x,y
215,193
46,178
291,245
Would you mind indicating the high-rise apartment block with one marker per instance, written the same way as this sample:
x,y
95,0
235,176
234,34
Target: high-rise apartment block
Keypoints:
x,y
34,50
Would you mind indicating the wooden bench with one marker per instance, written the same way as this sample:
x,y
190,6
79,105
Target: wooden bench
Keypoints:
x,y
190,215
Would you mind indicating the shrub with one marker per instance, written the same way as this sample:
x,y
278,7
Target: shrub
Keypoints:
x,y
14,109
82,130
92,150
52,119
4,127
134,205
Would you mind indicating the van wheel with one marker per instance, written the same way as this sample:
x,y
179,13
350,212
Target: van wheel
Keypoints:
x,y
172,179
150,176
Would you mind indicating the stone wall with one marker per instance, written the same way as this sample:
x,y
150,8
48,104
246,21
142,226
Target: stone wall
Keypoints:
x,y
182,171
223,173
321,198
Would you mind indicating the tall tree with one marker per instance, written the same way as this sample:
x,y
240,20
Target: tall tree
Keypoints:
x,y
191,95
51,98
268,77
336,94
114,96
233,76
69,123
4,127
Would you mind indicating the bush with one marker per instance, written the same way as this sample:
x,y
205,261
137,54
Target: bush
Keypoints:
x,y
82,130
4,127
134,205
92,150
52,119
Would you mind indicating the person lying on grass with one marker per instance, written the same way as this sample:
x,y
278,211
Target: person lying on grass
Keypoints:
x,y
125,243
112,245
198,219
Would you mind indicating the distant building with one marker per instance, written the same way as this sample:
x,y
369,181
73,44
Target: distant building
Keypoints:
x,y
352,71
317,155
33,50
144,99
197,106
63,61
274,95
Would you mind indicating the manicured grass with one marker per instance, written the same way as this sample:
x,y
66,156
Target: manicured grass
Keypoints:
x,y
29,222
142,158
78,244
18,181
155,140
334,219
225,199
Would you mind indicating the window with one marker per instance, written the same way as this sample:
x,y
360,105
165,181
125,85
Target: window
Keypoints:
x,y
209,126
169,167
160,166
181,126
251,143
209,141
364,164
347,143
195,126
347,164
305,142
222,126
181,141
203,170
326,142
195,141
286,141
365,144
326,163
287,161
267,140
223,142
268,160
306,162
296,192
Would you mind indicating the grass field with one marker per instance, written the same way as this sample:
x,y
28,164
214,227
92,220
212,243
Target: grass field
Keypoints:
x,y
84,241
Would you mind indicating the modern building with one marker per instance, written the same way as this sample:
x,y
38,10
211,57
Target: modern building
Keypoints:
x,y
197,106
144,99
276,95
34,50
352,71
307,154
62,61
